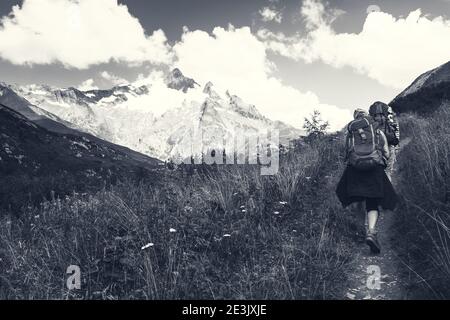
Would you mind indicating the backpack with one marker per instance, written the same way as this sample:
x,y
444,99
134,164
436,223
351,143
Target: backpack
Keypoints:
x,y
388,127
364,145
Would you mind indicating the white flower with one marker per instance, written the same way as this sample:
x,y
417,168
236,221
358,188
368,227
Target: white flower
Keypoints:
x,y
276,212
226,235
283,203
351,296
172,230
244,211
148,245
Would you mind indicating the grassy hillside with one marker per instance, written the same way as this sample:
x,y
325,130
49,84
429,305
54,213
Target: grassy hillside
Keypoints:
x,y
212,233
226,232
423,221
36,162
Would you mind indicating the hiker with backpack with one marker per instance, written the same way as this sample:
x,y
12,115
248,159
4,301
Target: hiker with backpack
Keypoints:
x,y
386,120
364,178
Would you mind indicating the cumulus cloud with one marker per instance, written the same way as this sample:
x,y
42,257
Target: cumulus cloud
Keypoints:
x,y
236,60
270,14
78,34
160,97
114,79
82,33
87,85
393,51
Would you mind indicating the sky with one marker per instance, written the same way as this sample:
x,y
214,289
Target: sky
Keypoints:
x,y
288,57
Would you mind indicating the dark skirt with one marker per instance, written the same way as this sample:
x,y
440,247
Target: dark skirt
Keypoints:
x,y
356,186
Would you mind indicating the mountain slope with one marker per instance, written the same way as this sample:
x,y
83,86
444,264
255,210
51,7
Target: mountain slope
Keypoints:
x,y
35,161
55,124
219,119
427,93
126,115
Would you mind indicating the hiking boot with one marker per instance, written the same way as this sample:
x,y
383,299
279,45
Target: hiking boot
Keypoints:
x,y
372,242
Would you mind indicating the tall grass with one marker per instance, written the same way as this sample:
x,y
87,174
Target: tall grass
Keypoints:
x,y
227,233
424,219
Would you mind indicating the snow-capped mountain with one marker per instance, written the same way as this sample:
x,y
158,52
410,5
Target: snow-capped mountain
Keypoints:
x,y
128,115
427,93
69,104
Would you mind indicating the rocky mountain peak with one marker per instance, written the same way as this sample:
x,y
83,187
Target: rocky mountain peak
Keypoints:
x,y
209,90
176,80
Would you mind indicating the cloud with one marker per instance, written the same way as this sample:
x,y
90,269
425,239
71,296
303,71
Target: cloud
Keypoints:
x,y
160,98
270,14
236,60
82,33
114,79
393,51
87,85
78,34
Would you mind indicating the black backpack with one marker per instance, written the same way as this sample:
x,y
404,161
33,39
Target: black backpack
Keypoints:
x,y
388,127
364,144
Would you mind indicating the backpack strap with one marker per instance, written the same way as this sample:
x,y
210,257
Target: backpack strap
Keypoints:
x,y
348,127
373,137
378,134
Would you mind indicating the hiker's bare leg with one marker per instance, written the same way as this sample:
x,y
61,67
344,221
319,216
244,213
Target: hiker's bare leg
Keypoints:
x,y
372,217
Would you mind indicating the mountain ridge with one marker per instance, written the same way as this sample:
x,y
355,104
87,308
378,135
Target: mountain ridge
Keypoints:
x,y
426,93
106,114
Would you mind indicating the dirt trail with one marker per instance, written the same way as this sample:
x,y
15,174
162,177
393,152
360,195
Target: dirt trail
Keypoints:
x,y
377,277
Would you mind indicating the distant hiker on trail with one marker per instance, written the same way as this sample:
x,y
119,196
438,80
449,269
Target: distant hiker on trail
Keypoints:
x,y
364,179
387,122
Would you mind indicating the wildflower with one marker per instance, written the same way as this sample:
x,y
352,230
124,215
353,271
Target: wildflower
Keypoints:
x,y
283,203
148,245
227,235
276,212
172,230
244,211
351,296
242,207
